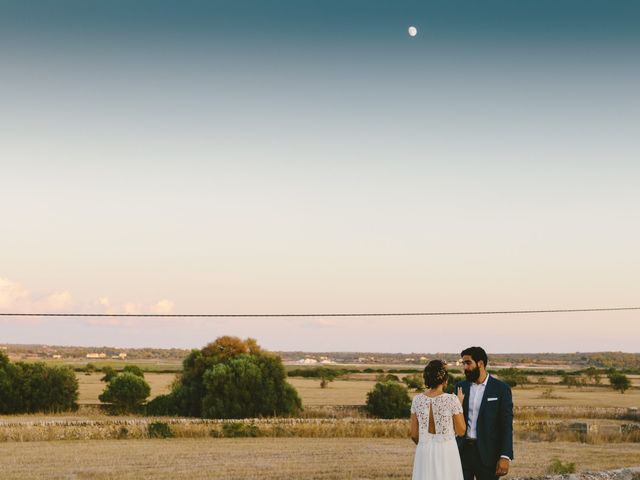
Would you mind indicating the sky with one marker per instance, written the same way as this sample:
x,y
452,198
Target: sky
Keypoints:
x,y
309,156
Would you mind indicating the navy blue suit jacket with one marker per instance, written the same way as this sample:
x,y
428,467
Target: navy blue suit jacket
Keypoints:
x,y
494,429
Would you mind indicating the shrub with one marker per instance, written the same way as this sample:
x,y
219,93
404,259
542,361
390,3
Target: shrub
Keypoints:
x,y
136,370
126,392
387,377
619,382
231,378
453,381
238,430
247,386
388,400
318,372
513,377
557,467
570,381
36,387
162,405
160,430
109,373
414,381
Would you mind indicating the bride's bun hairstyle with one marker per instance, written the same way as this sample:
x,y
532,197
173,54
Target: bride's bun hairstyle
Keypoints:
x,y
435,373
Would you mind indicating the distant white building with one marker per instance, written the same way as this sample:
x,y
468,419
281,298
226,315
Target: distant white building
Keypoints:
x,y
96,355
56,356
326,360
308,361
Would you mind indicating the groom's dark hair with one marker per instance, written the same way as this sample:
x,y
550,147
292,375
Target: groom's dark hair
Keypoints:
x,y
477,353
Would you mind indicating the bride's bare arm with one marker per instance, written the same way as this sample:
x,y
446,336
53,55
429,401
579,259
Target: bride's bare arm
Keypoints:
x,y
459,425
415,429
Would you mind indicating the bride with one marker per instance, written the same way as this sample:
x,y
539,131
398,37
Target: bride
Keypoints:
x,y
436,419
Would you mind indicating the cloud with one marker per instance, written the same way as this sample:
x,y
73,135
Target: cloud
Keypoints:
x,y
12,294
16,298
164,306
58,301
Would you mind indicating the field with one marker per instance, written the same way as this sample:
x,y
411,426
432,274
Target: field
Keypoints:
x,y
345,449
354,392
264,459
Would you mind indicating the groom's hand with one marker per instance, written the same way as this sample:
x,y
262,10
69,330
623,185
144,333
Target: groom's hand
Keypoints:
x,y
502,467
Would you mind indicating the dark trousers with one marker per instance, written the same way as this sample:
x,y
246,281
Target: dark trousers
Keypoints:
x,y
472,467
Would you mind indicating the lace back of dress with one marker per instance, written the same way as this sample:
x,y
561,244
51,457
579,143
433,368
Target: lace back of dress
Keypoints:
x,y
432,422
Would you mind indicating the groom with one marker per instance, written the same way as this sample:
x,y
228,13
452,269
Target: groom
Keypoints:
x,y
487,448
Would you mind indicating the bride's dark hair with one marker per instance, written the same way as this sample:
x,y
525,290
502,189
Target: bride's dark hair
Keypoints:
x,y
435,373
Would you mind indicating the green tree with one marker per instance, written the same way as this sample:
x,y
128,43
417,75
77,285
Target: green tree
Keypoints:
x,y
414,381
453,381
126,392
109,374
162,405
591,373
388,400
513,377
387,377
10,398
597,379
231,378
327,375
619,382
136,370
36,387
570,381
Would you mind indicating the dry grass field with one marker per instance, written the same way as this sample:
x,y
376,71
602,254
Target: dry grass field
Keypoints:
x,y
339,392
94,457
574,397
354,392
264,459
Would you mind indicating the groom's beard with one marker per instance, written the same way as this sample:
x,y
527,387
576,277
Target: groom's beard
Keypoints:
x,y
472,375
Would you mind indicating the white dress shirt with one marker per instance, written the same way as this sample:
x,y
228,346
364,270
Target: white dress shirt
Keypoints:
x,y
475,400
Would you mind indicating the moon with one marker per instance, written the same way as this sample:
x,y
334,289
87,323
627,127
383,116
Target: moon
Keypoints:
x,y
413,31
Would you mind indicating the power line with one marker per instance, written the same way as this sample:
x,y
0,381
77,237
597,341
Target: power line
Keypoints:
x,y
288,315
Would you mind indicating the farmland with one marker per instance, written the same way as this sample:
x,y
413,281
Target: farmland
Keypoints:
x,y
332,441
354,392
264,458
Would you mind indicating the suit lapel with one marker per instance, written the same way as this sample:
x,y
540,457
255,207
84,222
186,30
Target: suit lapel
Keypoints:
x,y
488,391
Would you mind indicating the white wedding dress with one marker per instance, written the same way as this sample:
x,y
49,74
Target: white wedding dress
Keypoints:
x,y
437,456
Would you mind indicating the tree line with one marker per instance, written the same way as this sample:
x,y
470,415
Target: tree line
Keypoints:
x,y
36,387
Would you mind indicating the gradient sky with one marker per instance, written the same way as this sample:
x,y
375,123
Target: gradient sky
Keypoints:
x,y
303,156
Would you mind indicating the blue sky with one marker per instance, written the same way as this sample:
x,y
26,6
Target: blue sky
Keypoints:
x,y
285,157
